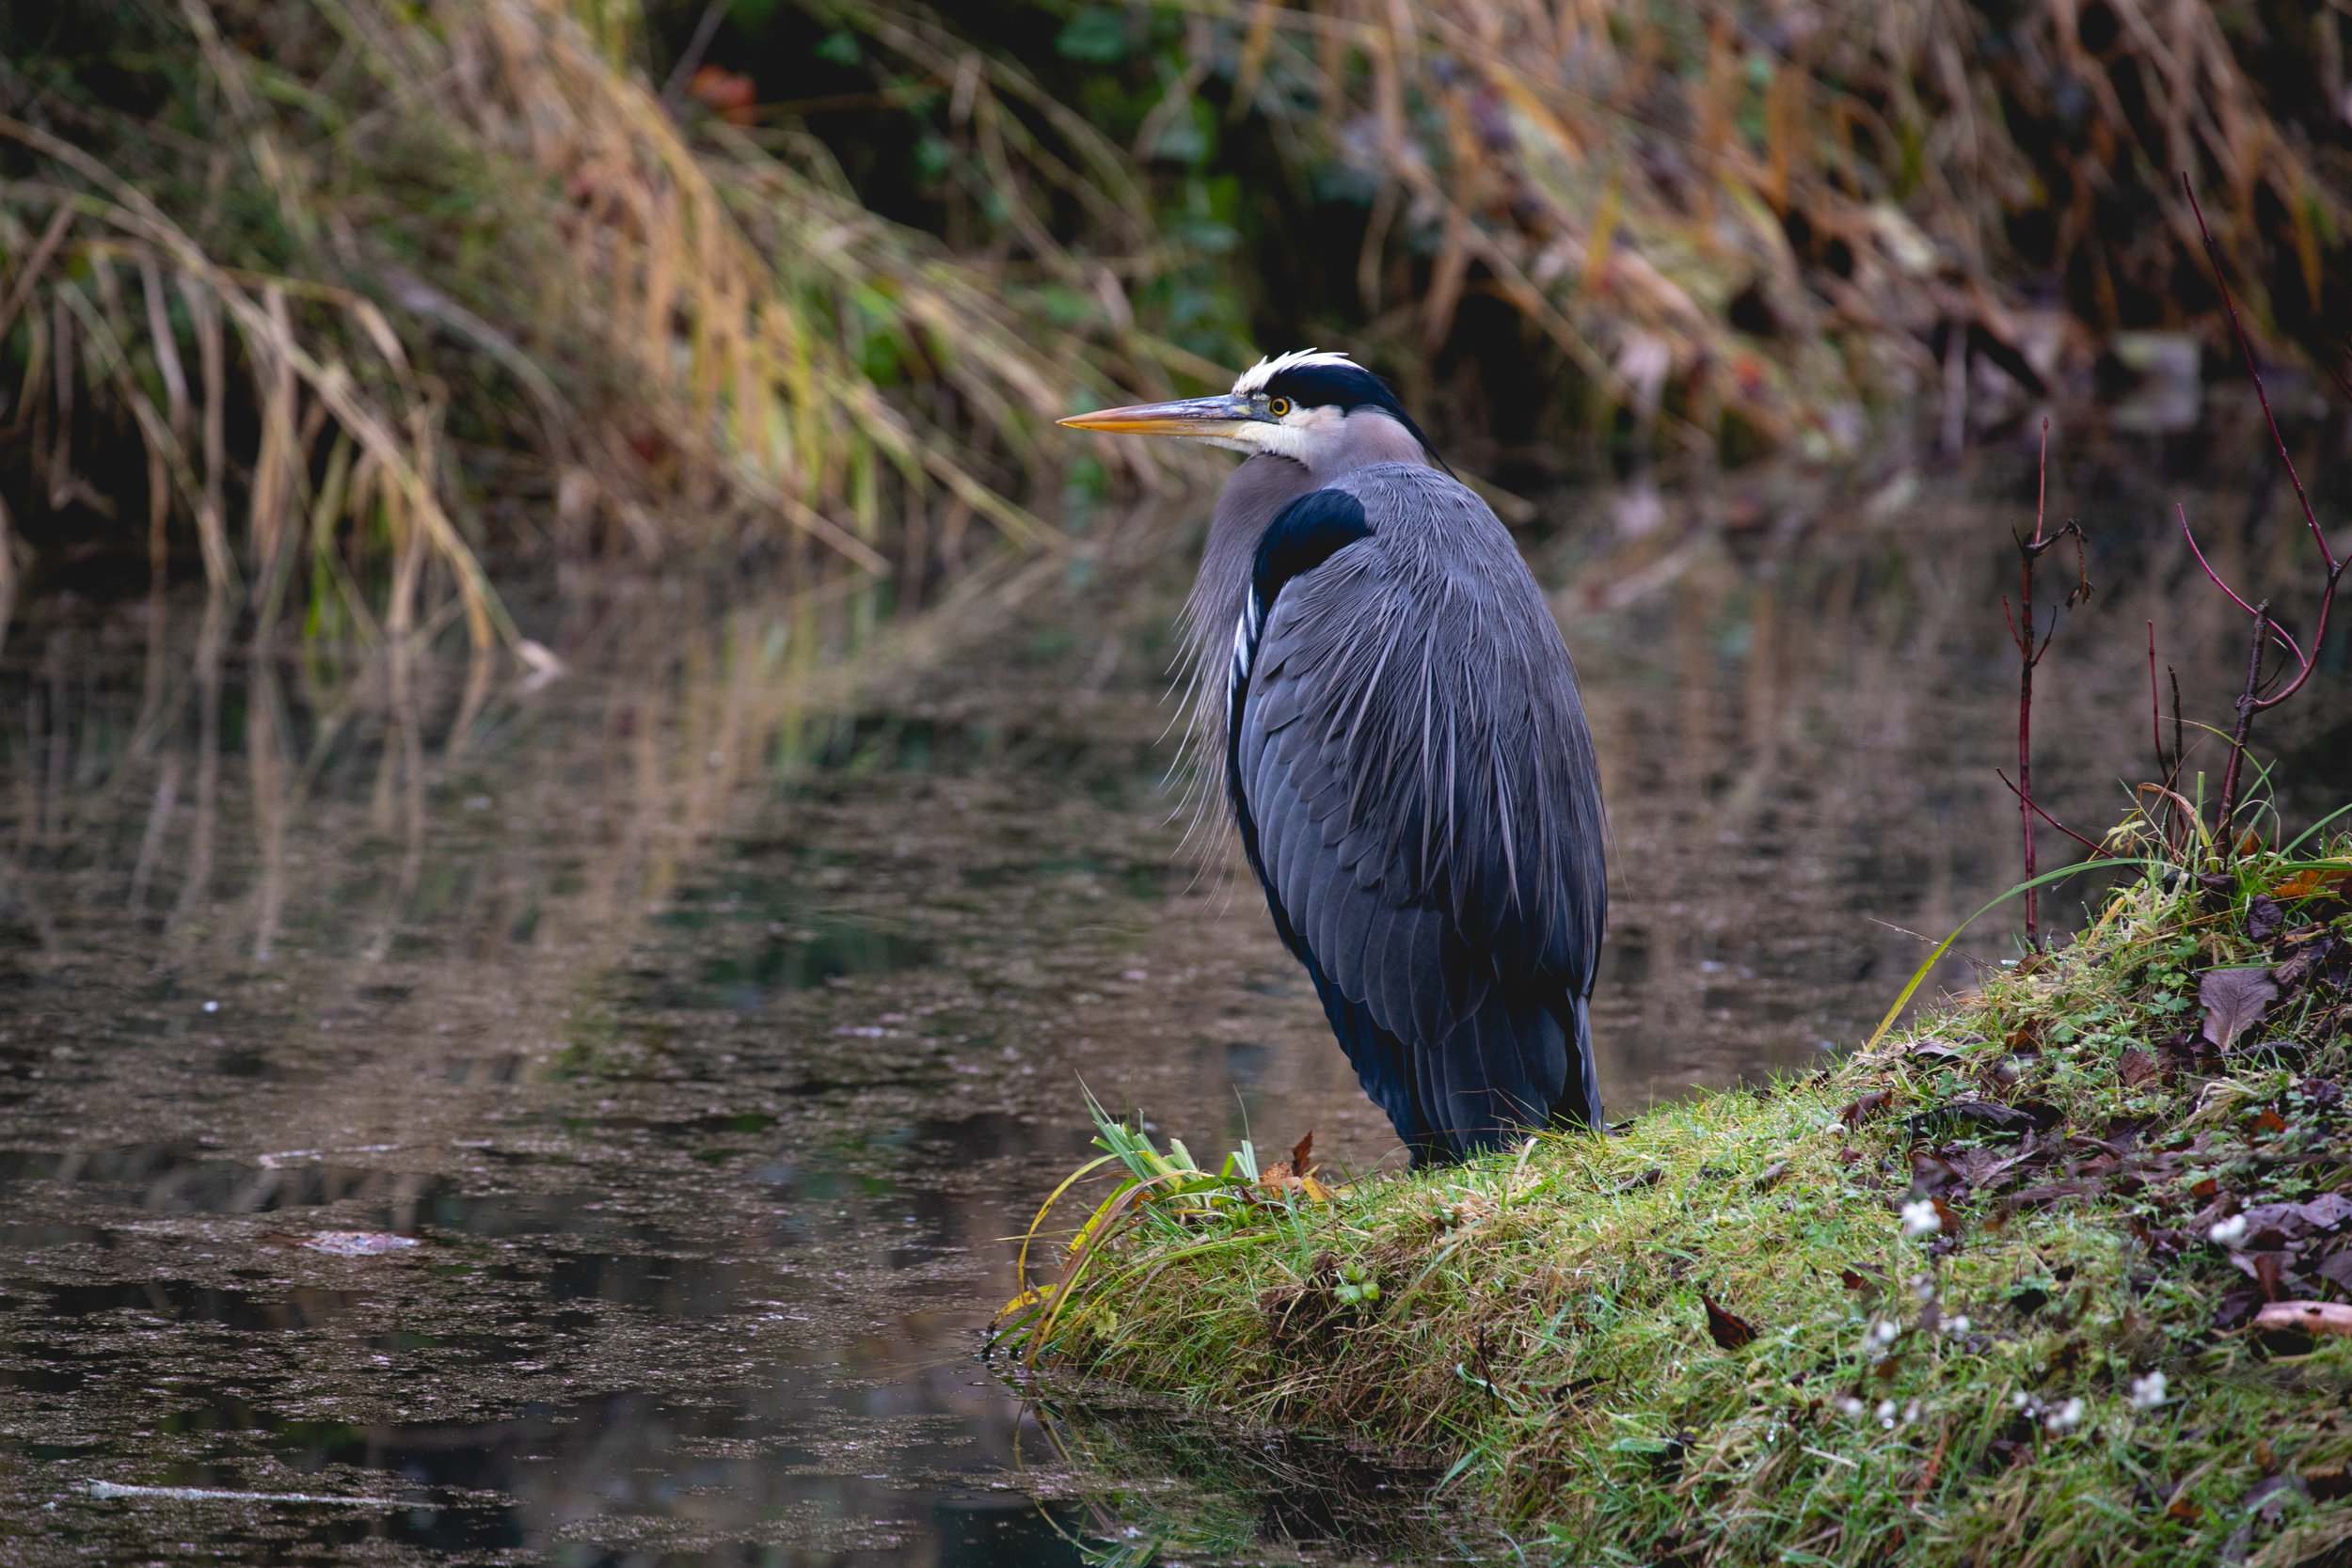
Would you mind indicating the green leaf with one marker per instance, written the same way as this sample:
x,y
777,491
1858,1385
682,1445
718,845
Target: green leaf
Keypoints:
x,y
1096,36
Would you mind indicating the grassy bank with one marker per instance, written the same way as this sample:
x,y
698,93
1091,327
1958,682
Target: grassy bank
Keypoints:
x,y
1988,1291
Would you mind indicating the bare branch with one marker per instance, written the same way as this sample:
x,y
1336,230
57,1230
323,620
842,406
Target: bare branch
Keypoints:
x,y
2277,631
2247,704
2036,808
2213,254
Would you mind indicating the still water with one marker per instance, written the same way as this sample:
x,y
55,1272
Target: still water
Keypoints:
x,y
708,1021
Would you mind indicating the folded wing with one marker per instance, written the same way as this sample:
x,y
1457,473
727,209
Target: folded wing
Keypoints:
x,y
1415,784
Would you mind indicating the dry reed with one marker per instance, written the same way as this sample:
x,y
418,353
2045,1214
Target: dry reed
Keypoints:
x,y
676,328
1790,215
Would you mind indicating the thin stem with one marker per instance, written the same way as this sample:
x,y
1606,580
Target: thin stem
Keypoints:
x,y
2213,254
2319,637
2094,848
2178,754
2284,641
2155,709
2026,659
2245,708
704,30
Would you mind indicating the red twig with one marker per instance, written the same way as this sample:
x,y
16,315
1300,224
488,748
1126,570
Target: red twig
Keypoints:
x,y
2215,578
2213,254
2036,808
2025,684
2028,654
2251,699
2179,751
2247,704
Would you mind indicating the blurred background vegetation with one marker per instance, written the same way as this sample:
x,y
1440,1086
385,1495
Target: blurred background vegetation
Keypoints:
x,y
364,308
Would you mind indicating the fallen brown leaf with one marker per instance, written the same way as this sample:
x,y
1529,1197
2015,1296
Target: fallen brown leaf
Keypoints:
x,y
2301,885
1931,1174
2050,1194
1728,1329
2264,917
2234,1000
2310,1316
2237,1308
1861,1110
2294,1221
2137,1067
1297,1174
1865,1278
1980,1166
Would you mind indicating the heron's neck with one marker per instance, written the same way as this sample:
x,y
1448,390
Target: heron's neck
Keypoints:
x,y
1366,437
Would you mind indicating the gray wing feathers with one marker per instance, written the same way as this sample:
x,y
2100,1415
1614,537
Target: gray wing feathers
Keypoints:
x,y
1417,769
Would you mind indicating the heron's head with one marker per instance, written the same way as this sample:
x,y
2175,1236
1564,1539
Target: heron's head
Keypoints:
x,y
1309,406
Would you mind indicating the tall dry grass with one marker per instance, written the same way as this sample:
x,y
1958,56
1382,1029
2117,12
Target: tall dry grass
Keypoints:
x,y
424,256
373,296
1795,213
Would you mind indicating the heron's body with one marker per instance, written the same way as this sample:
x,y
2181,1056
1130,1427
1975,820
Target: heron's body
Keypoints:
x,y
1407,760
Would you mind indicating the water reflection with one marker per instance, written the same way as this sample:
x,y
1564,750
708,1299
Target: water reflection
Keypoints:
x,y
711,1026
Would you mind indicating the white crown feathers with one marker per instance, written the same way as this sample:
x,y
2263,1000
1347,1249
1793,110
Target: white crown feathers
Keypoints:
x,y
1256,376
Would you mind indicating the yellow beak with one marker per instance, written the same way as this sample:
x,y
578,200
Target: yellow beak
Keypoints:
x,y
1199,418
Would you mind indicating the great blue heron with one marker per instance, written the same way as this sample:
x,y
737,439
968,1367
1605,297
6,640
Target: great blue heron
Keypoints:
x,y
1404,750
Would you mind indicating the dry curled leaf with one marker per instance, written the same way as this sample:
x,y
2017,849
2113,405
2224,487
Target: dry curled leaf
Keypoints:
x,y
2264,917
2234,1000
1861,1110
1729,1330
2310,1316
1297,1174
1471,1208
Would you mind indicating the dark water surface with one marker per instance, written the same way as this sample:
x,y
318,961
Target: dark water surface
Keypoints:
x,y
708,1025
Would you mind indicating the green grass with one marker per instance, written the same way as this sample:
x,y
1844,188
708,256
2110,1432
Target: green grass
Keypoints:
x,y
1539,1316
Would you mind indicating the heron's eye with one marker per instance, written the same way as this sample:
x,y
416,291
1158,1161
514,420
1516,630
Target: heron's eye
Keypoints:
x,y
1278,406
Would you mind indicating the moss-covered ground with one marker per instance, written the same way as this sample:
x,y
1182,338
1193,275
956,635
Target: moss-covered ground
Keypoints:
x,y
1987,1292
